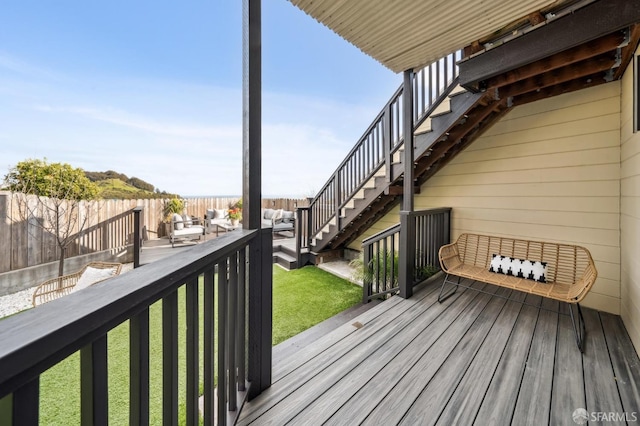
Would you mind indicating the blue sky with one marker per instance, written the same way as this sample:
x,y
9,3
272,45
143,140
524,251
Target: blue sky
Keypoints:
x,y
152,89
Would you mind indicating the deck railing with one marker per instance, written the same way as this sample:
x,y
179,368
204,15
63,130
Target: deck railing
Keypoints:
x,y
35,340
380,263
384,253
380,141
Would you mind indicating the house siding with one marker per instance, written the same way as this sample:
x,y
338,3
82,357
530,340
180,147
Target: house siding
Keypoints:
x,y
629,212
549,170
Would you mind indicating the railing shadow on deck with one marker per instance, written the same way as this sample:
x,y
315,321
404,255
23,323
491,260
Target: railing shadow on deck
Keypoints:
x,y
35,340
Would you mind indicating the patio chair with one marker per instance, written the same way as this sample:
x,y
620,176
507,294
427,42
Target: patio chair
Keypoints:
x,y
92,273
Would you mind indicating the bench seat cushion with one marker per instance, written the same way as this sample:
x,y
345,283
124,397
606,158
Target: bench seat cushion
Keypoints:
x,y
193,230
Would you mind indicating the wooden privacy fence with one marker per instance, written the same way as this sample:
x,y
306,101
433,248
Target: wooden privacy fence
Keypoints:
x,y
109,225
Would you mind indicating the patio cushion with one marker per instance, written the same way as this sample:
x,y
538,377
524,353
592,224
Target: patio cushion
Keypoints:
x,y
91,276
210,214
268,214
220,214
277,217
178,219
187,221
287,216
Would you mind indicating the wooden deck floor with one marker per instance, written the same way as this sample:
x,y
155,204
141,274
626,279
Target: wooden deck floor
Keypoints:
x,y
474,359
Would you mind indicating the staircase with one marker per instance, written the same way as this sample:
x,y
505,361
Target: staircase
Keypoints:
x,y
369,182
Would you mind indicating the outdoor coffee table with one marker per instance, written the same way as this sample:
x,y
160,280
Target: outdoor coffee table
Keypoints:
x,y
226,226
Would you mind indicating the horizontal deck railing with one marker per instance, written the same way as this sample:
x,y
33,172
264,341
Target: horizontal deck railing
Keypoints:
x,y
35,340
380,141
383,253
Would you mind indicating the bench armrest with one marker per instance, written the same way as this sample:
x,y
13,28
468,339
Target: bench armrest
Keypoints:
x,y
582,286
449,257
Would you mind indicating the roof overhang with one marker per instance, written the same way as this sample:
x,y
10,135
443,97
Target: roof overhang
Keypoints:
x,y
408,34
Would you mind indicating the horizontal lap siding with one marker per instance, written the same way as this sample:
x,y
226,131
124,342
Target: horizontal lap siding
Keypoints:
x,y
547,171
629,213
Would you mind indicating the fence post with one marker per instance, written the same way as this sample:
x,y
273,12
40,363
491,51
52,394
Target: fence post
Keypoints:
x,y
137,238
407,255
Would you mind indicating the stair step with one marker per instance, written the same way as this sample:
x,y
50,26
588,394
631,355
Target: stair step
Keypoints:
x,y
285,260
424,127
291,251
443,108
457,90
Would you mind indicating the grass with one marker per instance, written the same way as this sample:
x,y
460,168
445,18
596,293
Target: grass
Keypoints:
x,y
301,299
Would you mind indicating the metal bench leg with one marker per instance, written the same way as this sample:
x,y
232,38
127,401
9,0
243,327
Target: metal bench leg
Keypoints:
x,y
580,334
442,297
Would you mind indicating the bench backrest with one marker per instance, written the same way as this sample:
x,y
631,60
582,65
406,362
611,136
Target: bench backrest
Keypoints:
x,y
565,263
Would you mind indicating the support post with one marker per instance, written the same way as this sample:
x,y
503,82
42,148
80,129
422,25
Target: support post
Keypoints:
x,y
407,131
260,249
406,257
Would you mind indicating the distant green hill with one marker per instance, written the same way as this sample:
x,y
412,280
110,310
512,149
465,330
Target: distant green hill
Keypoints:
x,y
114,185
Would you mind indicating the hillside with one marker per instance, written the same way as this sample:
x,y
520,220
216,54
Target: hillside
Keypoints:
x,y
114,185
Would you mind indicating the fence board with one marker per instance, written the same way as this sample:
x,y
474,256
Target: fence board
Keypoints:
x,y
109,226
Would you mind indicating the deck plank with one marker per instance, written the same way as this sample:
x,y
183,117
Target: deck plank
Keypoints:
x,y
310,394
500,399
467,360
392,408
534,399
427,407
626,366
358,344
568,383
599,380
377,316
467,397
393,361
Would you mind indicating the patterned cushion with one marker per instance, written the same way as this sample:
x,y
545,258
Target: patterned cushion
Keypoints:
x,y
528,269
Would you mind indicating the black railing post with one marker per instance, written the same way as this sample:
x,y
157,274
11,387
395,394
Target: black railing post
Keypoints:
x,y
139,369
387,140
93,383
260,312
137,237
407,255
367,255
336,196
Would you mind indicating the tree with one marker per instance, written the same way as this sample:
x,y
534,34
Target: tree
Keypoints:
x,y
53,193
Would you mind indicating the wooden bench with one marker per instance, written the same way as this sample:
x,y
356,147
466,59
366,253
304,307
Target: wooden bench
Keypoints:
x,y
570,271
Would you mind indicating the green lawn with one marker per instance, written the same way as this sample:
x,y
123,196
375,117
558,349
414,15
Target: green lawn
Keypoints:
x,y
301,299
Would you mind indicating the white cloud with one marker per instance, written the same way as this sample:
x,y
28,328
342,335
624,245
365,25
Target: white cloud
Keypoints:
x,y
180,137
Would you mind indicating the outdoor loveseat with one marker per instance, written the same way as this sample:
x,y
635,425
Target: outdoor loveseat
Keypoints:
x,y
280,220
184,227
92,273
561,272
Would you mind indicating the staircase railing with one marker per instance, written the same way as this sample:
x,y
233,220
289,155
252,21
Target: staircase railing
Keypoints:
x,y
383,253
380,141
